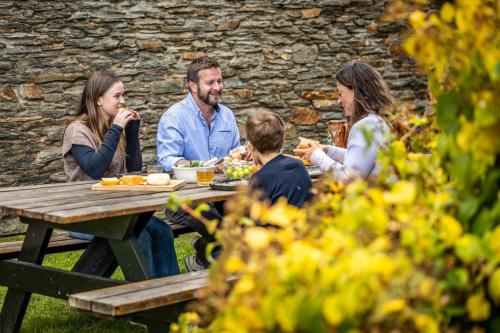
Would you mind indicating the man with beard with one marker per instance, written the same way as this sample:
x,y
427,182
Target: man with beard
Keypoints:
x,y
197,128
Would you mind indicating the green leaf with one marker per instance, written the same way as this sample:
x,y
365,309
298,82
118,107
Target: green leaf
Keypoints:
x,y
174,202
447,111
457,278
467,209
468,248
454,310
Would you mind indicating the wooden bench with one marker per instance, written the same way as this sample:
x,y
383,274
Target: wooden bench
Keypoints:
x,y
137,297
64,242
58,243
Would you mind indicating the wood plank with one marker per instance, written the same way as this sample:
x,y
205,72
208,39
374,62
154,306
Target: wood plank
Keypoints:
x,y
172,186
103,199
57,197
149,204
40,186
140,296
146,284
40,192
98,198
5,246
72,194
143,300
58,243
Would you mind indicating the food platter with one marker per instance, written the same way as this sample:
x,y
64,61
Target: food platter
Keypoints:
x,y
230,185
314,171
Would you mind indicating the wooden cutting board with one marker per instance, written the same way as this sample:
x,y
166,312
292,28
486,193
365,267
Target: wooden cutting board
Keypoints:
x,y
174,185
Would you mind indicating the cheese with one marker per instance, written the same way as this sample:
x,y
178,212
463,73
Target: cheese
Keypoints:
x,y
158,179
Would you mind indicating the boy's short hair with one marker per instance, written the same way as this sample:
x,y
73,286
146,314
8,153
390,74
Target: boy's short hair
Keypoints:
x,y
266,131
199,64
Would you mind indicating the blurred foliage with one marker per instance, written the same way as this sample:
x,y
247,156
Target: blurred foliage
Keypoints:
x,y
416,250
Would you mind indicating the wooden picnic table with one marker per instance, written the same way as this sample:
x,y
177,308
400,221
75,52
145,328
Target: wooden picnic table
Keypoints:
x,y
114,217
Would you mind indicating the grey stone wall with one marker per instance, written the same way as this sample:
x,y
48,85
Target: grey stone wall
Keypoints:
x,y
279,55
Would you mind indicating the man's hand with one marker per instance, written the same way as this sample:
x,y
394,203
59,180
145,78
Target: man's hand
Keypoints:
x,y
182,162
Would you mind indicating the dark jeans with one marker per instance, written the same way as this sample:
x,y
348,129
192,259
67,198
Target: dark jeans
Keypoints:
x,y
156,242
179,216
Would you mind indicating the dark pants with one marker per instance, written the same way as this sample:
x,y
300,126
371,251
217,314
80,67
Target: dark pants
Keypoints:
x,y
215,212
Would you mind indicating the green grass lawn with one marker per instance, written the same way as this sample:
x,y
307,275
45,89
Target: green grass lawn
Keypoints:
x,y
47,314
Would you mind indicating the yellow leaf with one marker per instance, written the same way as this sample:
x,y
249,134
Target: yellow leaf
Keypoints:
x,y
478,307
257,238
426,324
495,242
381,243
244,285
447,12
417,19
282,214
256,210
468,248
403,193
494,286
234,264
449,229
332,310
394,305
425,287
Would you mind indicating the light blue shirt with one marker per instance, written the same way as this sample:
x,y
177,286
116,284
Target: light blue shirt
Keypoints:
x,y
183,134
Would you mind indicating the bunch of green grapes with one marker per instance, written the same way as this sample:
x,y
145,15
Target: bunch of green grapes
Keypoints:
x,y
236,171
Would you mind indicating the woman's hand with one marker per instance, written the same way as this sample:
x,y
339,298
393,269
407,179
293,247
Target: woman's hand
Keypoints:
x,y
307,152
123,116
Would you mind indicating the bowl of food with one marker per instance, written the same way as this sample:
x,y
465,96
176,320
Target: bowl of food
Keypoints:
x,y
239,169
187,172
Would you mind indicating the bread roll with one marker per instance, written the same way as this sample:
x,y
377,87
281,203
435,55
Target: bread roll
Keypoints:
x,y
307,141
303,146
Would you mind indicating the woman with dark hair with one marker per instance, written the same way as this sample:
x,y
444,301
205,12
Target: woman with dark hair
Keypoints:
x,y
363,95
103,141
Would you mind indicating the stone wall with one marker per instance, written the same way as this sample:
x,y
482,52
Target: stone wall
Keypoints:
x,y
279,55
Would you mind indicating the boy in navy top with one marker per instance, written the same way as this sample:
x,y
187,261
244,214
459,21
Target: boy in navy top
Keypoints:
x,y
279,176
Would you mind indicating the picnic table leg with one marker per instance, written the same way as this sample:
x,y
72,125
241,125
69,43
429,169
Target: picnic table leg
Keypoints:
x,y
16,301
128,254
98,259
131,260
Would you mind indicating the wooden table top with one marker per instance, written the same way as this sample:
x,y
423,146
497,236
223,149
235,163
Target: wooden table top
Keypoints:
x,y
75,202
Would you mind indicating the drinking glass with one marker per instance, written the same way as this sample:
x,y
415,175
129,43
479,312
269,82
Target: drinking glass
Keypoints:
x,y
205,175
153,168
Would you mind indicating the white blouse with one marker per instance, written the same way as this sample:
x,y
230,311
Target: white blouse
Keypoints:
x,y
366,138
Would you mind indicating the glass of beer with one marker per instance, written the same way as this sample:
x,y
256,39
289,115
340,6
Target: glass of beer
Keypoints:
x,y
205,175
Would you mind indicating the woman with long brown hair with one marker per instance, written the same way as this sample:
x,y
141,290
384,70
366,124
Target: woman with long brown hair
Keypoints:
x,y
103,141
363,95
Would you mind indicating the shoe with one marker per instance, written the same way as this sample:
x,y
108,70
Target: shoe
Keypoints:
x,y
192,265
195,240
